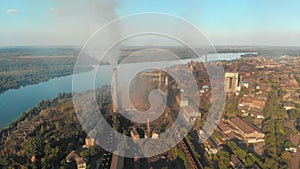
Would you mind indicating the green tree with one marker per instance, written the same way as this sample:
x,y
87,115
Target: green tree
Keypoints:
x,y
44,162
116,122
249,162
241,154
42,130
270,163
224,160
33,146
286,156
47,149
4,161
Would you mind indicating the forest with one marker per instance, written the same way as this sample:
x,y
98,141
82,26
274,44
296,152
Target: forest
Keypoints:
x,y
58,133
22,66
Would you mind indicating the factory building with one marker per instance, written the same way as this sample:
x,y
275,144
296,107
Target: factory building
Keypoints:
x,y
232,80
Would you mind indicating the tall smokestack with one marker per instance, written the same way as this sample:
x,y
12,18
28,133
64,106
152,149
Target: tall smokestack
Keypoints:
x,y
115,90
166,80
159,78
206,58
148,128
236,66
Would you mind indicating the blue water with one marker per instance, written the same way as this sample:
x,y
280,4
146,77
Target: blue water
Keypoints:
x,y
14,102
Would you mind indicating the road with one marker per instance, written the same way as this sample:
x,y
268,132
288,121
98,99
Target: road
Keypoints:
x,y
107,156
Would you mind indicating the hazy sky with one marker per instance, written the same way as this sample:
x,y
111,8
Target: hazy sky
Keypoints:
x,y
71,22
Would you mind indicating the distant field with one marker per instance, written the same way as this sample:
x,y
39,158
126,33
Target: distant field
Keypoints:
x,y
22,66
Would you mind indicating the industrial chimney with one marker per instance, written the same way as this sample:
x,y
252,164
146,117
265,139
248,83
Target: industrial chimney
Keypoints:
x,y
159,79
115,90
148,129
166,80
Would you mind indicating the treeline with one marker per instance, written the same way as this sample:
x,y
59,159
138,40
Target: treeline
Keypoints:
x,y
276,132
38,51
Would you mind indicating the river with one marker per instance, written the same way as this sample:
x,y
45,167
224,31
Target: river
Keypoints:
x,y
14,102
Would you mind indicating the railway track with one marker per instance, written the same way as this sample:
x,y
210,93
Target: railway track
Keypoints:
x,y
192,159
188,155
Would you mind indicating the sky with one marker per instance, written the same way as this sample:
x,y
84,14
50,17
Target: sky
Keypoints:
x,y
72,22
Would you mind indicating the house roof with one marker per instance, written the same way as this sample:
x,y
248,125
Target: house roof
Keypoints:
x,y
80,161
244,125
72,155
231,135
134,132
189,110
224,127
236,161
289,105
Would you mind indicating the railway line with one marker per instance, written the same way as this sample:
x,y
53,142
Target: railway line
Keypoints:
x,y
192,159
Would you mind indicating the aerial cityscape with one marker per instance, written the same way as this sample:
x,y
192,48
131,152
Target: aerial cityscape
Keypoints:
x,y
150,85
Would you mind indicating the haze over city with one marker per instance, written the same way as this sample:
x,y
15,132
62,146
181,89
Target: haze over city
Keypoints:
x,y
139,84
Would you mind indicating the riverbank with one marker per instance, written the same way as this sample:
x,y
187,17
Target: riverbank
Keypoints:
x,y
27,97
